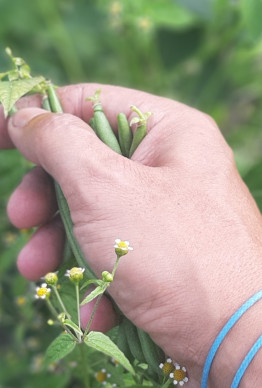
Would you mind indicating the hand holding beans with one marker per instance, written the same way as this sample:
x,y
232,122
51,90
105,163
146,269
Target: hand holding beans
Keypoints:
x,y
180,201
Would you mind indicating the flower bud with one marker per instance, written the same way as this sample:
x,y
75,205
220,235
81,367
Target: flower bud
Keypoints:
x,y
75,274
61,317
107,276
51,278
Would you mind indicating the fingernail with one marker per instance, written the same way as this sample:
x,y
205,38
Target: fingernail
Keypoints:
x,y
23,116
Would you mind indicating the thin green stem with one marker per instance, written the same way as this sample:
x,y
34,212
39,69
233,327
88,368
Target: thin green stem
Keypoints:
x,y
92,316
84,369
64,310
116,265
78,305
138,111
51,308
55,314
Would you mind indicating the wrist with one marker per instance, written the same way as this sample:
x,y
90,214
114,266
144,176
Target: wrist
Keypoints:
x,y
235,347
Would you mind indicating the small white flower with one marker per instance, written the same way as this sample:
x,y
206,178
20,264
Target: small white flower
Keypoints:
x,y
122,247
179,375
43,292
102,376
167,366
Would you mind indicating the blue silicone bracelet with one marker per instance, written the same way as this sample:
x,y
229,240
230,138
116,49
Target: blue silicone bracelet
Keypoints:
x,y
245,363
212,352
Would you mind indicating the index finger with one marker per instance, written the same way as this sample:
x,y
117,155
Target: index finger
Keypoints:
x,y
114,99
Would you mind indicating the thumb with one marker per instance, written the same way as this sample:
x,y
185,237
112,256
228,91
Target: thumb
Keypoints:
x,y
65,146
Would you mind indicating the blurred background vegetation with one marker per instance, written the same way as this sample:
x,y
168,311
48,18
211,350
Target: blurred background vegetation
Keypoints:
x,y
205,53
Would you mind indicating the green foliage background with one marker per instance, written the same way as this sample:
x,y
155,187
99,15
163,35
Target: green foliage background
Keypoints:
x,y
205,53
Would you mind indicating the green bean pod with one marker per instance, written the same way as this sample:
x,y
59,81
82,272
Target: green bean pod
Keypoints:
x,y
54,100
92,124
68,225
139,135
104,130
54,104
46,104
125,134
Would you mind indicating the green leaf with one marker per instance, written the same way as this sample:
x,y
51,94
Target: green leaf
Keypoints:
x,y
104,344
251,12
91,281
59,348
167,384
73,326
97,291
11,91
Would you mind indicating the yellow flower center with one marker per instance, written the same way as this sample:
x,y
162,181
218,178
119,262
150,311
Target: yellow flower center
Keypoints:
x,y
168,367
101,376
42,291
122,245
75,271
179,374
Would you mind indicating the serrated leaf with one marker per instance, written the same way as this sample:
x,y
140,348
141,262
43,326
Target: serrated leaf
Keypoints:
x,y
59,348
97,291
11,91
104,344
73,326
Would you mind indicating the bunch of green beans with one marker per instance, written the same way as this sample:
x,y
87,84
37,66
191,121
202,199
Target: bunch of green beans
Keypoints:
x,y
134,342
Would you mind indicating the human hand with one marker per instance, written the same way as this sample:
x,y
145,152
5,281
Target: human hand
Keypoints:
x,y
194,227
